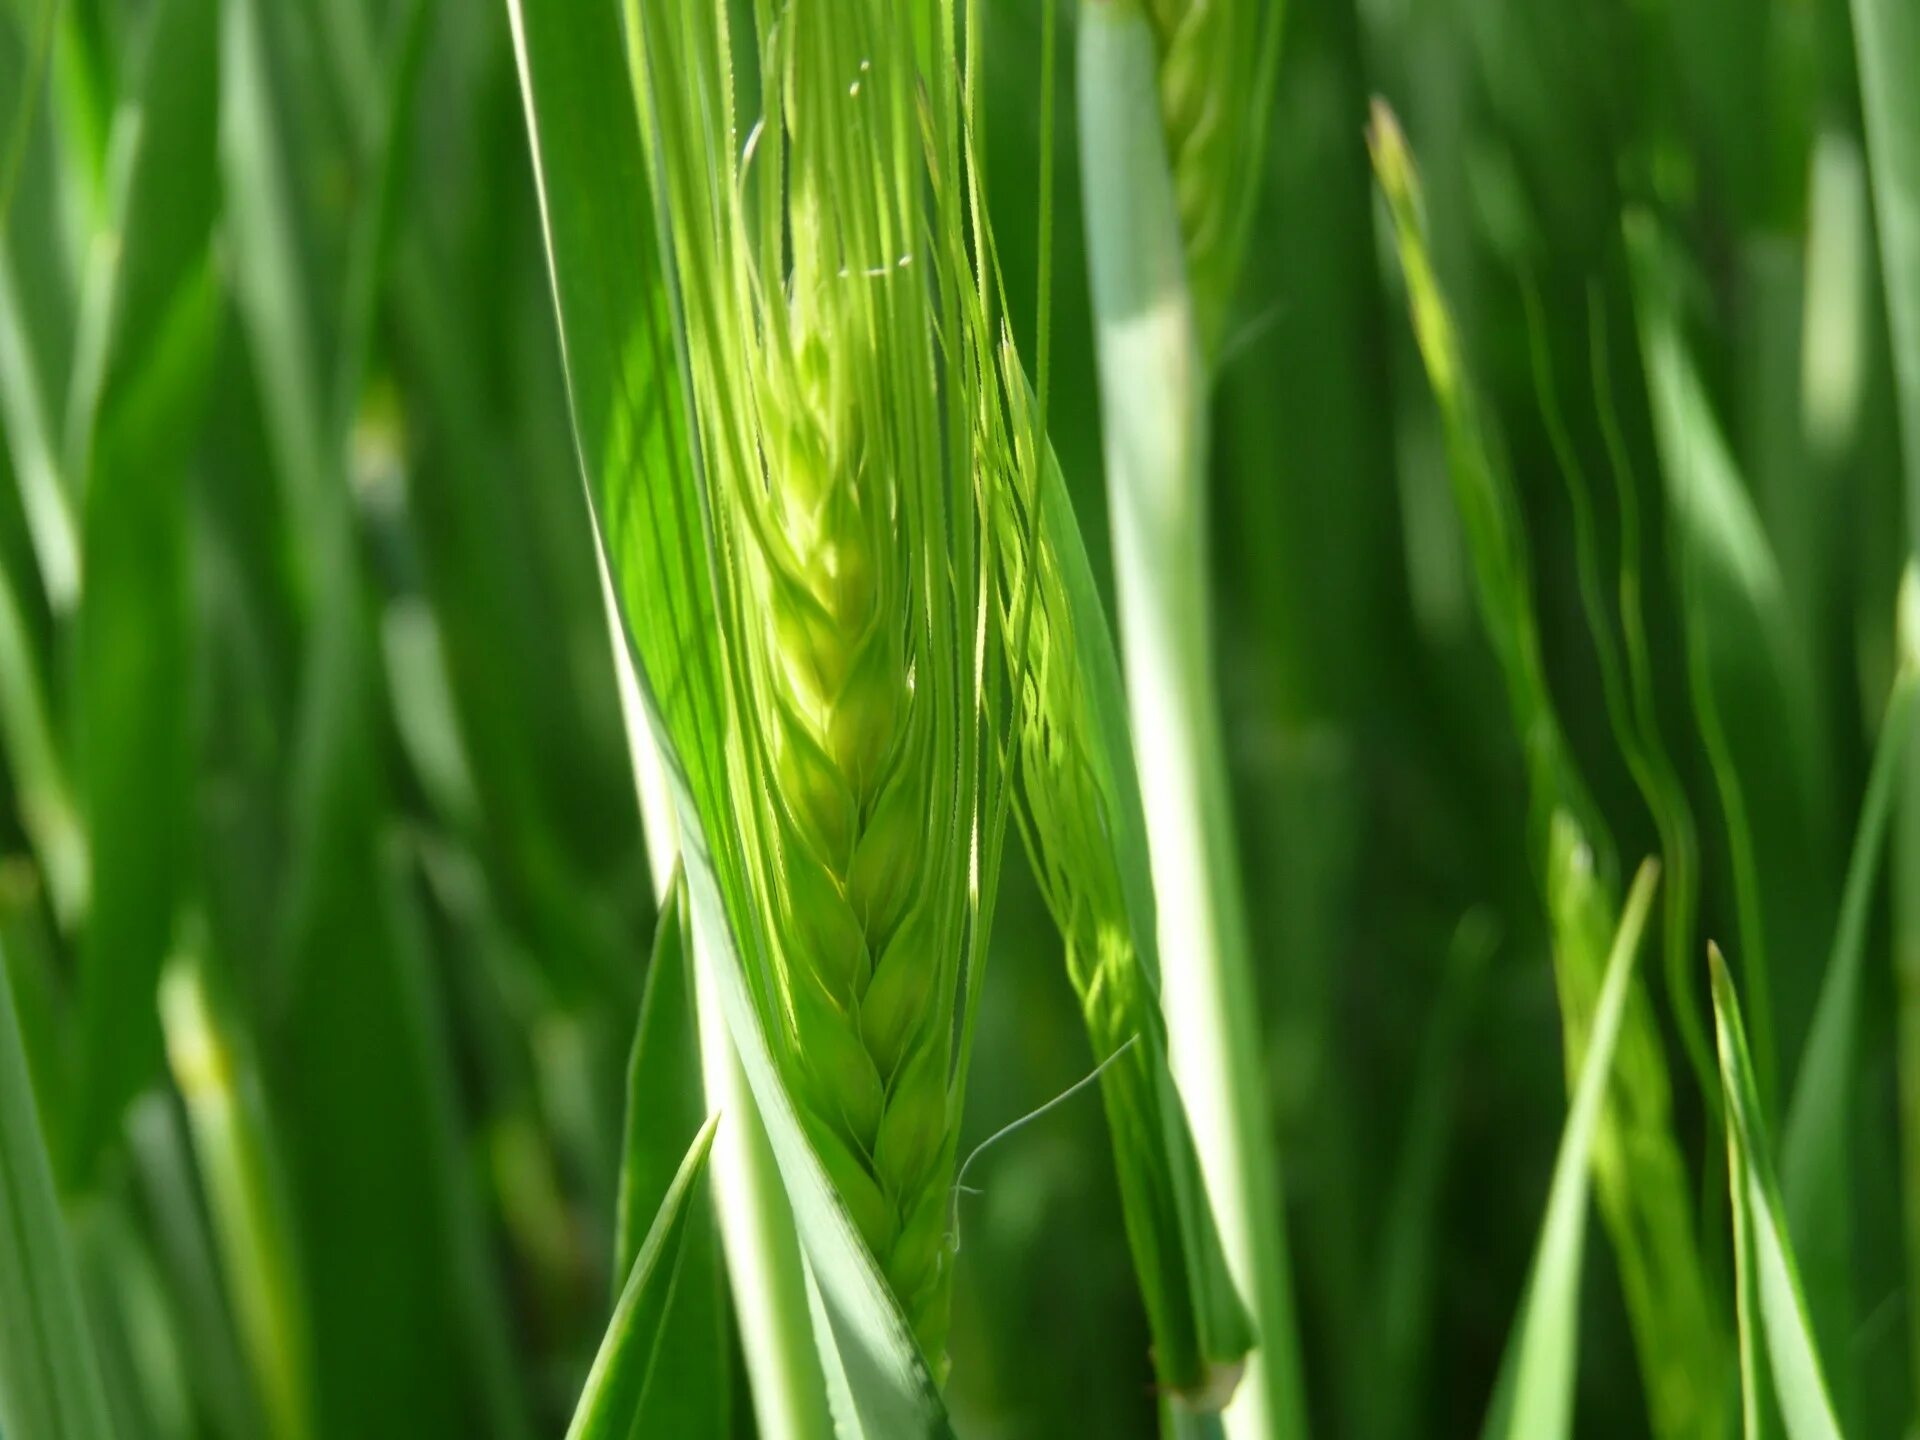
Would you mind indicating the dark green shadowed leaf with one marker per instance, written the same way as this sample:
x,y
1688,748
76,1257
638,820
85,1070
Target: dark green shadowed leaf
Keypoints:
x,y
186,1252
50,1385
399,1327
517,620
1748,671
1887,37
32,293
1771,1301
149,324
1816,1155
664,1112
1626,684
26,40
618,1398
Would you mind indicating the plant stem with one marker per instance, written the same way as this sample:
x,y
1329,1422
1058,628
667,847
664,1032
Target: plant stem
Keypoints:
x,y
1153,393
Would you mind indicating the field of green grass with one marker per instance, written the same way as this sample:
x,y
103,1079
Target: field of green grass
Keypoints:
x,y
610,607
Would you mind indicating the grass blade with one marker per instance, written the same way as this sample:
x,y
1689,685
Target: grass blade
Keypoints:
x,y
186,1250
1747,668
24,51
1625,682
663,1110
1642,1179
614,1403
219,1085
50,1379
1777,1302
1541,1362
1886,37
1816,1159
1887,40
29,436
42,794
148,331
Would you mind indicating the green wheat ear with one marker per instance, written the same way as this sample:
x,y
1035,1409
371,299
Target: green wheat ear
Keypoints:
x,y
823,266
1079,817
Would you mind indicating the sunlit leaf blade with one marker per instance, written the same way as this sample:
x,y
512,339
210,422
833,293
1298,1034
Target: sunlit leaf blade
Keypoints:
x,y
663,1080
1799,1382
628,1365
1816,1159
50,1384
1538,1383
618,344
664,1092
148,332
1641,1178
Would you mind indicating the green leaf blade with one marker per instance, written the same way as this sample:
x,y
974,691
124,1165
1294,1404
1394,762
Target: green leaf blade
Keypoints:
x,y
664,1093
152,314
1799,1381
1541,1378
50,1377
615,1398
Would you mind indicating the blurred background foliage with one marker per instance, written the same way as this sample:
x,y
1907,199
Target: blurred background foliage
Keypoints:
x,y
307,704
